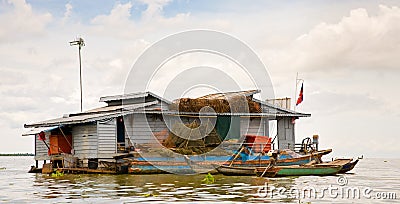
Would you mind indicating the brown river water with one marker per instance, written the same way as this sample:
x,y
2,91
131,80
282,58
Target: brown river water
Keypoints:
x,y
372,181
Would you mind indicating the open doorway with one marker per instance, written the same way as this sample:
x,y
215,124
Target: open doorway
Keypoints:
x,y
120,134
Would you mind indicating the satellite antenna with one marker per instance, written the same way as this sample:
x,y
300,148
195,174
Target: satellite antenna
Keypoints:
x,y
80,44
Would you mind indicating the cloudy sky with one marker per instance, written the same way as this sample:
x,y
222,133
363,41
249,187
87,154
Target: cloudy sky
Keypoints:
x,y
348,53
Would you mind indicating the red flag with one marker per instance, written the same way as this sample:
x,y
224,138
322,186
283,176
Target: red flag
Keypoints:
x,y
42,136
300,99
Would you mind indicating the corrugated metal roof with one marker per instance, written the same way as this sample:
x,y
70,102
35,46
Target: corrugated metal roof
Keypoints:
x,y
115,108
229,94
132,96
89,116
71,120
115,111
230,114
286,111
37,130
103,109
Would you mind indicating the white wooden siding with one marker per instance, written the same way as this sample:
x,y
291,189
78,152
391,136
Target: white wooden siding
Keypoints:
x,y
107,140
254,126
85,141
140,128
41,150
286,136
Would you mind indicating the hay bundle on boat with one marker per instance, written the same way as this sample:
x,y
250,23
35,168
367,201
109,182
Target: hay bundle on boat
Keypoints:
x,y
237,104
192,138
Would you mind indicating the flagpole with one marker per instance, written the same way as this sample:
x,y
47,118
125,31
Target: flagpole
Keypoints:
x,y
295,91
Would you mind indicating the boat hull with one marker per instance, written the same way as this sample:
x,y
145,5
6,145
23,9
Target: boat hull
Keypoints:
x,y
236,171
301,170
195,164
347,164
348,167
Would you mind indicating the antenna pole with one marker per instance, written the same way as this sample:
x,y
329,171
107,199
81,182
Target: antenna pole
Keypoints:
x,y
80,76
80,44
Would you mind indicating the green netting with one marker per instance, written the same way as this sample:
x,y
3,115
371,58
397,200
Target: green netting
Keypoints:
x,y
228,127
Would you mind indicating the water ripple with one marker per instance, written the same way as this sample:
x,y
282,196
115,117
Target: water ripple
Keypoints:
x,y
20,187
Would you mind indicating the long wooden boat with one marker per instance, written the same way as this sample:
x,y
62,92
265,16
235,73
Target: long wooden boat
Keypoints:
x,y
235,170
299,170
35,170
195,164
281,161
248,168
336,162
347,164
348,167
159,167
242,171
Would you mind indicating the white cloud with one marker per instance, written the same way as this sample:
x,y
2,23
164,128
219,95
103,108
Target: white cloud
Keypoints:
x,y
118,23
119,16
154,9
68,11
349,62
21,22
358,41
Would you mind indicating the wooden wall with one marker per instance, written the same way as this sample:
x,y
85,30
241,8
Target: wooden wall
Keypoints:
x,y
107,138
286,137
41,151
85,141
140,127
254,126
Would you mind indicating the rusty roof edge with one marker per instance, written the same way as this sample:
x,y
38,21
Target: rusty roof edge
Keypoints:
x,y
122,113
246,93
118,108
88,120
122,96
133,95
277,107
96,116
159,97
37,130
217,114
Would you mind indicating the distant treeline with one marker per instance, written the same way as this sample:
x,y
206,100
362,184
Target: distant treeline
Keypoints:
x,y
17,154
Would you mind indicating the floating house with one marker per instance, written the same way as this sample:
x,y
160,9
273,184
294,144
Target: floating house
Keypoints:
x,y
142,120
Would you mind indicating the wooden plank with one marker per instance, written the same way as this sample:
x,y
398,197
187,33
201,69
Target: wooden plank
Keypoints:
x,y
47,168
86,170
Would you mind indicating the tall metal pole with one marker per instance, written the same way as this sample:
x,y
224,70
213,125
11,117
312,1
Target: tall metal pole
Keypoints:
x,y
80,75
295,92
80,44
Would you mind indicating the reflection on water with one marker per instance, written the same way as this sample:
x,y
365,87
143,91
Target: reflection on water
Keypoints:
x,y
163,187
20,187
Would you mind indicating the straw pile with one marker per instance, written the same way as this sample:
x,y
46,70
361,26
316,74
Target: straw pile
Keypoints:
x,y
238,104
191,138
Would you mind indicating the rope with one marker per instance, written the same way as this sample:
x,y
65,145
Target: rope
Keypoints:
x,y
62,132
236,156
267,168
